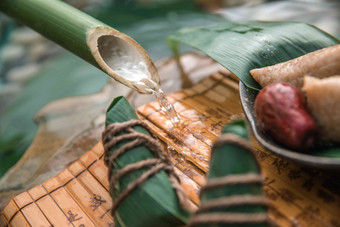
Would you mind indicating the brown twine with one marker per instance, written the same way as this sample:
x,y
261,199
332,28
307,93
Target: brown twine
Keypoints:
x,y
111,137
250,178
233,201
201,218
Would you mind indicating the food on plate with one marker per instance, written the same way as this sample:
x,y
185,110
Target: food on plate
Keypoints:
x,y
323,101
281,112
321,63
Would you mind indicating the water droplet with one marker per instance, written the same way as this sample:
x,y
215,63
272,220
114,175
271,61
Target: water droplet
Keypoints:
x,y
167,107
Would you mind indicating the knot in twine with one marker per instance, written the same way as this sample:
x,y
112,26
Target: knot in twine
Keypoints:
x,y
203,217
119,132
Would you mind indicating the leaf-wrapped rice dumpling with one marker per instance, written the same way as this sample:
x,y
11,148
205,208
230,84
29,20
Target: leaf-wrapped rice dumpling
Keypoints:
x,y
152,203
233,194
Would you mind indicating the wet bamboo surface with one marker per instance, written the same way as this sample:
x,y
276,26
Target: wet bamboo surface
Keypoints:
x,y
78,196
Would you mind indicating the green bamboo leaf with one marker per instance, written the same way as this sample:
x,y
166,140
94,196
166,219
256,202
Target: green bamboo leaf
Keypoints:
x,y
241,47
154,203
238,127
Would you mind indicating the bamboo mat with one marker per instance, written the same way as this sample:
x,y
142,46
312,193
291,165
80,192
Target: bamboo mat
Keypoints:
x,y
78,196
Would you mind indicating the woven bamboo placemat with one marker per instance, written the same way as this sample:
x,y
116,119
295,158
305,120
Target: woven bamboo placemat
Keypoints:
x,y
78,196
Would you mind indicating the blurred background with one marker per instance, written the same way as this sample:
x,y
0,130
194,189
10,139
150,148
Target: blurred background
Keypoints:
x,y
34,71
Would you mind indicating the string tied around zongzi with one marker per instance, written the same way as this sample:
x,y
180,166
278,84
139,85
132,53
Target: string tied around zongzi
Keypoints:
x,y
205,215
124,131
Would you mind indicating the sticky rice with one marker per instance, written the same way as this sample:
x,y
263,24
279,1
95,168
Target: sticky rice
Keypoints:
x,y
321,64
323,101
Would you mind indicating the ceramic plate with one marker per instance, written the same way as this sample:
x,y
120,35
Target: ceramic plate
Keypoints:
x,y
247,100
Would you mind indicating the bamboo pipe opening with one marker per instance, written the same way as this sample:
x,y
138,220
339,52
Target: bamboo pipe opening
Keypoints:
x,y
123,59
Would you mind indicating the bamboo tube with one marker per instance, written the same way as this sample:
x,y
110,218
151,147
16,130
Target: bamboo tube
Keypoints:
x,y
95,42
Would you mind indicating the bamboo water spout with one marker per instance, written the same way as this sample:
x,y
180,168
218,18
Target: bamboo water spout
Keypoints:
x,y
111,51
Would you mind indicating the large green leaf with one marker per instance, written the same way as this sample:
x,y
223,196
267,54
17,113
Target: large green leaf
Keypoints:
x,y
155,202
241,47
